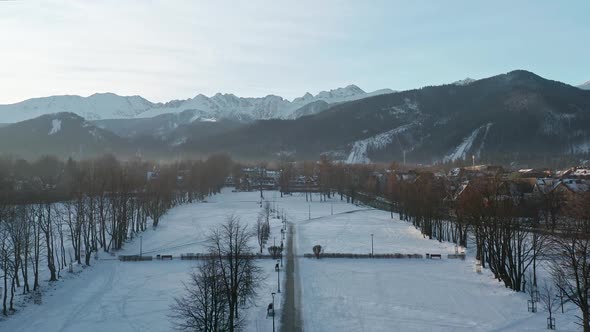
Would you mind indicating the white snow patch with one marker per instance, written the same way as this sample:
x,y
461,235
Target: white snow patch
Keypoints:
x,y
55,126
555,123
483,140
583,147
179,141
358,153
462,149
408,105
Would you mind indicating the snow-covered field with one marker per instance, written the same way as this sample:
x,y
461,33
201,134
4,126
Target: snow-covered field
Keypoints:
x,y
335,294
402,294
350,232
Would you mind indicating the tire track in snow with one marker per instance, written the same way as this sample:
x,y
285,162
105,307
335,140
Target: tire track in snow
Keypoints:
x,y
95,296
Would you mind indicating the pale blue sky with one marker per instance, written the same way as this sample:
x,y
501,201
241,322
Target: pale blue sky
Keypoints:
x,y
167,49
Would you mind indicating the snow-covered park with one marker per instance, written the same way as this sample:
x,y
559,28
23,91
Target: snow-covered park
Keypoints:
x,y
332,294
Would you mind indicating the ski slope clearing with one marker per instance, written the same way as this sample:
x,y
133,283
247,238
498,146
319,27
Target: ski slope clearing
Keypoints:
x,y
360,149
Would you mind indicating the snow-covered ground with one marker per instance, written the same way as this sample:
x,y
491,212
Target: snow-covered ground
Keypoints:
x,y
350,232
335,294
402,294
135,296
410,295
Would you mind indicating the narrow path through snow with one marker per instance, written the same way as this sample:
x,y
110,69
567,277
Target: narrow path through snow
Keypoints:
x,y
291,318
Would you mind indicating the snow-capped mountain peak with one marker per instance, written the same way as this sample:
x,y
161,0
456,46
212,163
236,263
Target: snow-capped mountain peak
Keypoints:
x,y
100,106
340,93
585,86
230,106
93,107
307,97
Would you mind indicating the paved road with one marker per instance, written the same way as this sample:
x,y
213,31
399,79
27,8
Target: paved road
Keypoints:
x,y
291,316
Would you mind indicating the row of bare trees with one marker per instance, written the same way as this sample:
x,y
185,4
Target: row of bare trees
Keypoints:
x,y
569,254
263,225
511,232
55,213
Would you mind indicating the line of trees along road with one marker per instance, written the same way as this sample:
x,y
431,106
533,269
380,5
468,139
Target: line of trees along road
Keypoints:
x,y
511,232
56,213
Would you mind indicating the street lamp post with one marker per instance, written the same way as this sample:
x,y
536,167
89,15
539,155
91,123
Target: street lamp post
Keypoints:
x,y
140,245
273,312
372,251
278,279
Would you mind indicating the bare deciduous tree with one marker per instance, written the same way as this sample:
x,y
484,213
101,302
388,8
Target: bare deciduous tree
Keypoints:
x,y
571,258
240,275
549,301
203,307
261,231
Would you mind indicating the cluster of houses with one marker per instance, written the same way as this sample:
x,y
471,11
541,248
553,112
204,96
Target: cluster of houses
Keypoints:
x,y
254,178
526,184
521,185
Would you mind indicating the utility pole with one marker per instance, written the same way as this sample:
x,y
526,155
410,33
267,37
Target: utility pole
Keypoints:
x,y
372,252
278,279
260,185
561,299
332,208
140,245
309,215
273,312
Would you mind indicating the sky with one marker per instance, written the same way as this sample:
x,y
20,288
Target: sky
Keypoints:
x,y
165,50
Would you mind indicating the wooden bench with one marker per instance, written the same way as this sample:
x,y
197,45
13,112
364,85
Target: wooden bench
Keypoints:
x,y
134,258
163,257
456,256
439,256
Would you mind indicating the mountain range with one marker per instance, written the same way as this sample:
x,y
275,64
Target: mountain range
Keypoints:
x,y
101,106
518,116
514,117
